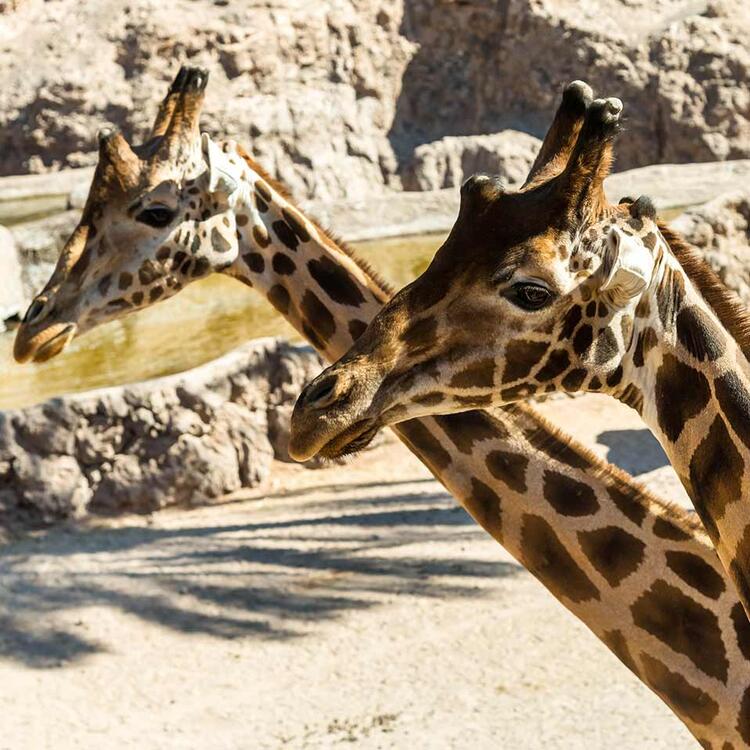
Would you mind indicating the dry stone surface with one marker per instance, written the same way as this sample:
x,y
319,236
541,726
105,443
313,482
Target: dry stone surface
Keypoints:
x,y
721,229
12,297
448,162
176,440
335,97
39,244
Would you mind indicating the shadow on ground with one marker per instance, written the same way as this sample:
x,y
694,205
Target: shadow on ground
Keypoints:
x,y
635,451
275,576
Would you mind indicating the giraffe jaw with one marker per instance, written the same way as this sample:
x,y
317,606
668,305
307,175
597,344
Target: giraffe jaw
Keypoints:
x,y
352,440
45,344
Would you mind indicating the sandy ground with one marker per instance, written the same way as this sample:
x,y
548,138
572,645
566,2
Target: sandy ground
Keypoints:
x,y
350,605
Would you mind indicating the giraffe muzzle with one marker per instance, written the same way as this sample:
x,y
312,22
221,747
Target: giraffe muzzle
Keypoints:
x,y
43,345
331,417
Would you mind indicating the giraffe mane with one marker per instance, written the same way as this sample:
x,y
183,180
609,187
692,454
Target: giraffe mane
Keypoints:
x,y
369,271
725,303
336,243
261,171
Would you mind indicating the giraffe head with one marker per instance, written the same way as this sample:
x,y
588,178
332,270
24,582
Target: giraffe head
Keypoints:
x,y
533,291
156,218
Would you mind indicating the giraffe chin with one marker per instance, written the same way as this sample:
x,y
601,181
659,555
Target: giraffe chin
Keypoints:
x,y
353,440
45,345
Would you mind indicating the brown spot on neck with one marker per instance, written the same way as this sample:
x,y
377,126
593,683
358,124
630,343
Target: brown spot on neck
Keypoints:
x,y
673,377
684,625
545,556
684,698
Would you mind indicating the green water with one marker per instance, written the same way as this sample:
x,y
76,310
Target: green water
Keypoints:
x,y
204,321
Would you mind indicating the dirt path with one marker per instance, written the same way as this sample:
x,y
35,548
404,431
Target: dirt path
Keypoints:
x,y
347,605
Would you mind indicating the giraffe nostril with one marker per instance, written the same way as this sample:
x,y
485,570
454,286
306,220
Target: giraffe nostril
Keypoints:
x,y
35,311
320,394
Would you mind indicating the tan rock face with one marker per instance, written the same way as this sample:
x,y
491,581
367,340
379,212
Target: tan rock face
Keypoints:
x,y
176,440
676,64
310,86
12,297
8,6
721,229
448,162
334,97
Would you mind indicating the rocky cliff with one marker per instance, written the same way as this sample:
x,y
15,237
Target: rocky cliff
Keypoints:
x,y
721,230
337,97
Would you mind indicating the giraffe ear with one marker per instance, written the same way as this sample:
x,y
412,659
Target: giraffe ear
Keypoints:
x,y
220,178
630,265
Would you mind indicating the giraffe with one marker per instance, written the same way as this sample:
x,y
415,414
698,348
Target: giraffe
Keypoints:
x,y
547,289
181,186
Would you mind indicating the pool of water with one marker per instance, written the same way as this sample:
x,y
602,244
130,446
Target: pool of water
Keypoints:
x,y
204,321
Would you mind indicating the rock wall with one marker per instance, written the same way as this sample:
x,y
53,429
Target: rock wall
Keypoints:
x,y
680,66
721,229
334,97
311,86
448,162
180,439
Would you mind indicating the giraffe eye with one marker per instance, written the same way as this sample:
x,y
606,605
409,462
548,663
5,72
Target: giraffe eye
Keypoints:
x,y
530,296
156,216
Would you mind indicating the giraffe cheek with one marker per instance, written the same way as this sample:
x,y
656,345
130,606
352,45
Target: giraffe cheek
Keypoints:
x,y
221,240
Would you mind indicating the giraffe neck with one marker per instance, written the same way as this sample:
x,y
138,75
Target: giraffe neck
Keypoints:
x,y
691,381
635,572
310,279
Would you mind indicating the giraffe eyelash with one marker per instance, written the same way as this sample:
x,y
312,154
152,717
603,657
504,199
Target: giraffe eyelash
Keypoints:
x,y
530,296
503,275
156,216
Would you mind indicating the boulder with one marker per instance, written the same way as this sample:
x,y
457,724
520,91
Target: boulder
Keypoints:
x,y
53,486
721,229
448,162
182,439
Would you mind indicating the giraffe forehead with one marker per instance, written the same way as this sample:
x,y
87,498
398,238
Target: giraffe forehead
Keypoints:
x,y
550,247
535,252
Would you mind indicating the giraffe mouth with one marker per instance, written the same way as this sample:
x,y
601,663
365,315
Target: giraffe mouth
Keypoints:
x,y
45,344
352,440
